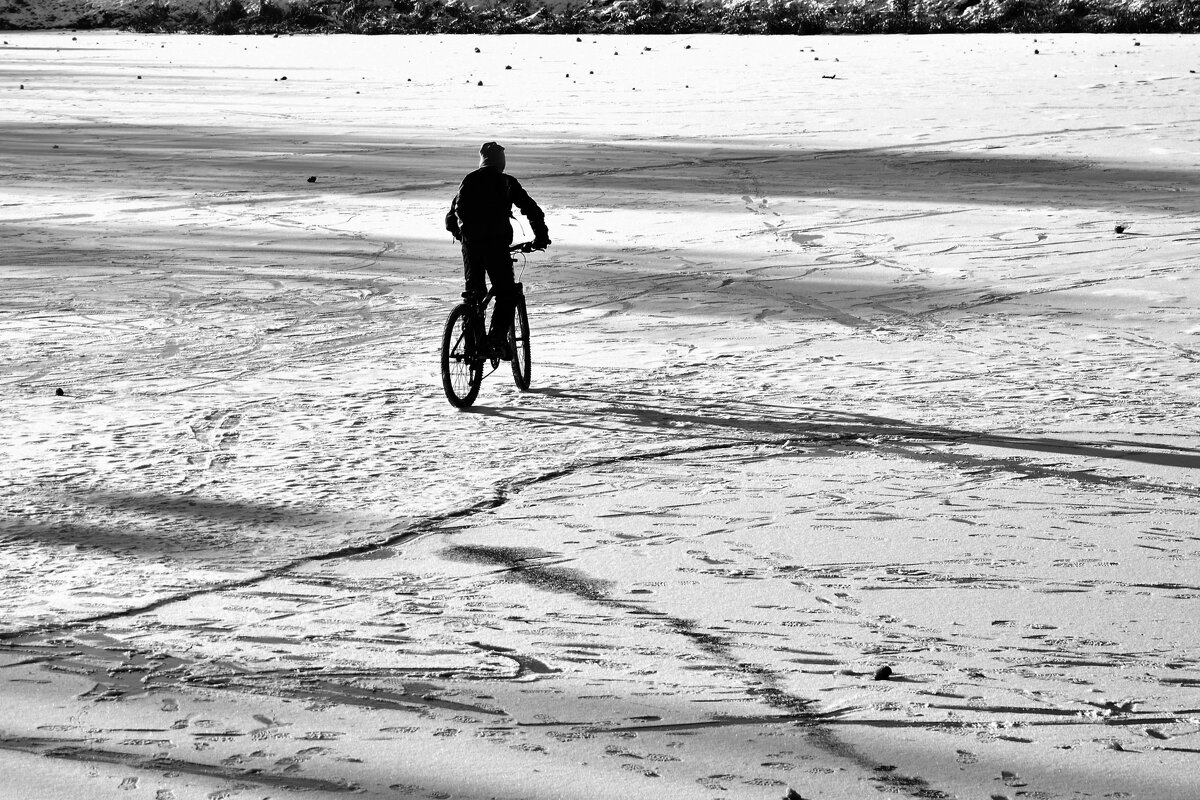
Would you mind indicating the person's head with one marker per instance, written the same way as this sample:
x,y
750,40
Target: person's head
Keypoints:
x,y
492,155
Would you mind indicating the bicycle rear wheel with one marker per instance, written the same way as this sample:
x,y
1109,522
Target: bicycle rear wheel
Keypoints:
x,y
518,339
462,362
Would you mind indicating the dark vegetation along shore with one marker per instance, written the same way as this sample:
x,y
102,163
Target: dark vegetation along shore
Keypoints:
x,y
630,16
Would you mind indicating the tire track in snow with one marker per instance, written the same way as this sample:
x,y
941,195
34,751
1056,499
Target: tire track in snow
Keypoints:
x,y
81,751
503,492
767,685
762,681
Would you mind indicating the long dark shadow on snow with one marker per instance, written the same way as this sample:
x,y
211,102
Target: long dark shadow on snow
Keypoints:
x,y
207,523
602,175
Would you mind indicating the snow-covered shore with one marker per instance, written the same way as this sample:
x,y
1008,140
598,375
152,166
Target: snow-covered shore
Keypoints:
x,y
850,353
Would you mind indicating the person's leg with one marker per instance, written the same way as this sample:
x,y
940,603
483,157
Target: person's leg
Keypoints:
x,y
474,268
500,271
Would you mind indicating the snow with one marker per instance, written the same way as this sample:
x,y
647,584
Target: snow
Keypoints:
x,y
830,374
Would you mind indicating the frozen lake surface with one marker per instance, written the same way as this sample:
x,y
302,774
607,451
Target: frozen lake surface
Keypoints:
x,y
849,353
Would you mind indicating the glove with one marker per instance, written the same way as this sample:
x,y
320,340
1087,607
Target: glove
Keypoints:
x,y
541,241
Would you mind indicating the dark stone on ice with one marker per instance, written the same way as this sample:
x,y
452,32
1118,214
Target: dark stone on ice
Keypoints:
x,y
883,673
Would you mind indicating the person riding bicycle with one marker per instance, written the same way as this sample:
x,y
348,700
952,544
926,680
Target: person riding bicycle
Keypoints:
x,y
479,218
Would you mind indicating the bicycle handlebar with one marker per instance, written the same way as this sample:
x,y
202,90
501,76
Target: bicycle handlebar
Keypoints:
x,y
524,247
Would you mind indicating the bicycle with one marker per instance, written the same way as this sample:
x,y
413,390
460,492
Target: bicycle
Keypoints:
x,y
466,349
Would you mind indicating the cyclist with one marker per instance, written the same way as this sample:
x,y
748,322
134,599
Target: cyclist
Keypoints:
x,y
479,218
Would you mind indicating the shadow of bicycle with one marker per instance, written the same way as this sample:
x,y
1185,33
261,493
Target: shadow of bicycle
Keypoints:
x,y
750,422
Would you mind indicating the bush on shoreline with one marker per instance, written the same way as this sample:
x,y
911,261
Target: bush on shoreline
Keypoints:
x,y
777,17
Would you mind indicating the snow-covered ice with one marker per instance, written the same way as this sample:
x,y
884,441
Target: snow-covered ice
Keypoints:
x,y
849,353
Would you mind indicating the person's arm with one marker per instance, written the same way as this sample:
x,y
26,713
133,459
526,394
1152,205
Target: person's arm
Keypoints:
x,y
532,212
452,220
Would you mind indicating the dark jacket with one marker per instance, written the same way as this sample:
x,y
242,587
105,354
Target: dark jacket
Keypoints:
x,y
482,208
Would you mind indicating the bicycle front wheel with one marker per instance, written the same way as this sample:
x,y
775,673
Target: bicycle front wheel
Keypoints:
x,y
518,339
462,363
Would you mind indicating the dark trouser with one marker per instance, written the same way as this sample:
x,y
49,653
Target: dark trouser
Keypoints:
x,y
491,258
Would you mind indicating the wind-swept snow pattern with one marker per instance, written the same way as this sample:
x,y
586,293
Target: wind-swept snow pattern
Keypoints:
x,y
860,457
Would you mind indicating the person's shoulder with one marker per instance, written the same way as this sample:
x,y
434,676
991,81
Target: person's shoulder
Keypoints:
x,y
473,175
481,176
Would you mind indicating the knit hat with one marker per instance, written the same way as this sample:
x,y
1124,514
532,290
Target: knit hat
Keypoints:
x,y
490,154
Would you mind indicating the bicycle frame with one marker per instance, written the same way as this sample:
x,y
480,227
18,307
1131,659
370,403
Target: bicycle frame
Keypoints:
x,y
465,348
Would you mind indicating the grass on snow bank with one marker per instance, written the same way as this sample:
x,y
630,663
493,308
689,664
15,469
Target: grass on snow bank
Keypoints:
x,y
649,16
